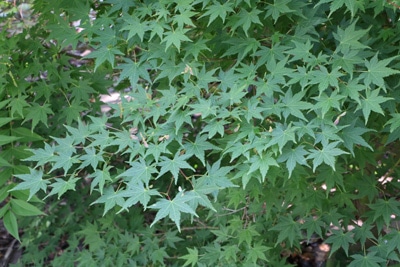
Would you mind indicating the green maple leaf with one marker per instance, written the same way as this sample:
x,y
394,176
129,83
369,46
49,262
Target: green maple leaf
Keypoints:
x,y
214,127
82,91
173,208
257,252
288,230
325,102
339,239
110,199
372,102
136,193
204,108
281,135
293,157
192,258
32,181
175,38
247,234
324,78
262,163
38,113
301,51
327,155
42,155
174,165
100,177
377,70
385,209
218,10
79,134
135,27
73,112
139,172
292,105
363,232
92,158
61,186
313,226
277,8
352,135
349,38
183,19
394,122
198,148
369,260
103,54
246,19
64,161
134,71
17,105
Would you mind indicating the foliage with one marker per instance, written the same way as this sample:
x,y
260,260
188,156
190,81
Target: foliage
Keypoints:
x,y
247,126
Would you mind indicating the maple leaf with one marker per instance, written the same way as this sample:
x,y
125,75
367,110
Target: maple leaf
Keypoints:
x,y
92,158
352,135
385,209
288,229
134,71
110,198
174,165
136,193
369,260
191,258
42,155
327,155
339,239
377,70
32,181
173,208
100,177
38,113
139,172
198,148
218,10
175,38
103,54
372,102
349,38
262,163
61,186
292,105
293,157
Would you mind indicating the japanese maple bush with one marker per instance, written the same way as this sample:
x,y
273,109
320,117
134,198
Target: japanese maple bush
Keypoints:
x,y
243,129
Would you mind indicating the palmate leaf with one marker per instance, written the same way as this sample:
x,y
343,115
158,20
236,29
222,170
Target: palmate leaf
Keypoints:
x,y
110,199
349,38
372,102
218,10
293,105
339,239
140,172
32,181
173,208
136,193
369,260
38,113
134,71
103,54
61,186
191,258
174,165
352,136
327,155
100,177
262,163
198,148
377,70
288,229
293,156
385,209
175,38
